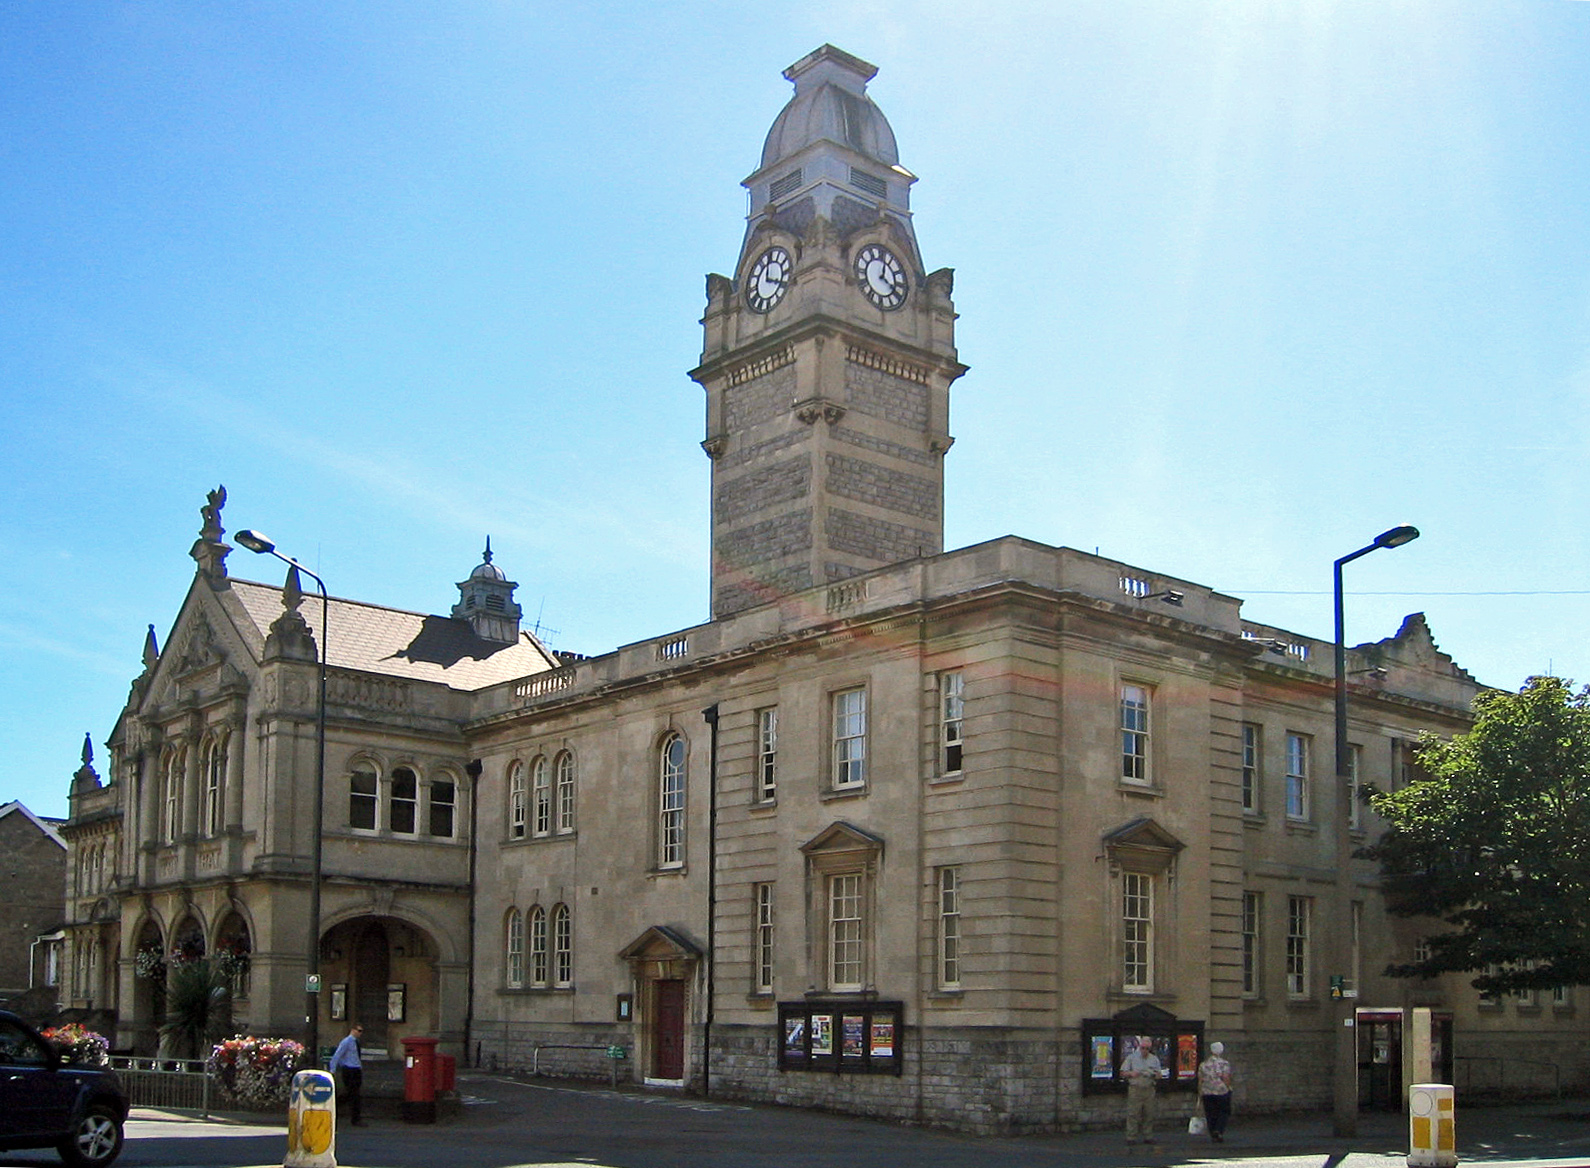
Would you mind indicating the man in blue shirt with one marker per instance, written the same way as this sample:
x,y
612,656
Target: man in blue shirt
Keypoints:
x,y
346,1061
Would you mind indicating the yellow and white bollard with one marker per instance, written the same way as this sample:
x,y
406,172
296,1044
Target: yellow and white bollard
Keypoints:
x,y
312,1121
1432,1126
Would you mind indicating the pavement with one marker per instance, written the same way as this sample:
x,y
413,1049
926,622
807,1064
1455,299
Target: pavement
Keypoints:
x,y
517,1122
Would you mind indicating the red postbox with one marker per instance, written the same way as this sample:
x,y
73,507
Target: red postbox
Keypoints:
x,y
419,1080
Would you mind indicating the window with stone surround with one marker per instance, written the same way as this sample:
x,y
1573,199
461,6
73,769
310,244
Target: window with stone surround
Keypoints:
x,y
846,932
1137,932
171,774
214,764
1134,735
1297,775
538,946
1299,926
1252,760
671,803
850,738
362,797
516,800
541,797
562,947
949,954
952,719
762,940
564,766
403,801
1251,908
514,971
443,803
842,863
767,754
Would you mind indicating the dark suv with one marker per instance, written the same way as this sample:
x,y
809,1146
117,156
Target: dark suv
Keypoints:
x,y
48,1103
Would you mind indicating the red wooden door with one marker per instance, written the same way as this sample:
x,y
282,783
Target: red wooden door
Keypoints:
x,y
668,1045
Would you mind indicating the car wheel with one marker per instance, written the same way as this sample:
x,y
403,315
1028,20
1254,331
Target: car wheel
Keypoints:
x,y
95,1141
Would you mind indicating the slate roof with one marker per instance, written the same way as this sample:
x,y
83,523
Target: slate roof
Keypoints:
x,y
396,643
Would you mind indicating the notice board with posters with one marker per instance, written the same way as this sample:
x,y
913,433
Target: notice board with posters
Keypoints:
x,y
859,1038
1178,1044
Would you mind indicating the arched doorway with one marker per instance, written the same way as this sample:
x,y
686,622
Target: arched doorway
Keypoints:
x,y
149,988
380,972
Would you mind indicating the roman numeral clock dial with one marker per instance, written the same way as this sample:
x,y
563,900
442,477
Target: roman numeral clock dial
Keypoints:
x,y
769,278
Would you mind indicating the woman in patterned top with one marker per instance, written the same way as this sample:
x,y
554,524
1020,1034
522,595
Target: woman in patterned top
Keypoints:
x,y
1214,1084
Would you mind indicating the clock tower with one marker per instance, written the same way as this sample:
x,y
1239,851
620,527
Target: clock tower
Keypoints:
x,y
828,358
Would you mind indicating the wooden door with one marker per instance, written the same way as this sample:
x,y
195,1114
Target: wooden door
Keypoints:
x,y
668,1034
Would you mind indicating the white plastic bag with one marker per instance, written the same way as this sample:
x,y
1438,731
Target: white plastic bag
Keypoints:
x,y
1195,1126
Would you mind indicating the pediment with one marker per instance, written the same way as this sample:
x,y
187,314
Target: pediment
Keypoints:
x,y
1414,645
662,943
1145,1014
204,656
1142,845
840,837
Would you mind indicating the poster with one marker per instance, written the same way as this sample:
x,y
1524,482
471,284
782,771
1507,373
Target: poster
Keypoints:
x,y
396,1006
339,1001
1162,1052
852,1036
883,1039
1186,1056
795,1035
1103,1047
822,1034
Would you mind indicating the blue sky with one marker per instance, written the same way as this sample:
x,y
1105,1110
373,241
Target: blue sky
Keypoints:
x,y
1241,284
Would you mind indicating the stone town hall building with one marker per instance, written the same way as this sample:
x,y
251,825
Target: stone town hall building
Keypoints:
x,y
899,831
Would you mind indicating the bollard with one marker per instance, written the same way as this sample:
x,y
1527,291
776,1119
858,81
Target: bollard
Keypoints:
x,y
1432,1126
312,1121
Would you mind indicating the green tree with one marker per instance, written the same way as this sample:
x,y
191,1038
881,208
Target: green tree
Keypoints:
x,y
1496,842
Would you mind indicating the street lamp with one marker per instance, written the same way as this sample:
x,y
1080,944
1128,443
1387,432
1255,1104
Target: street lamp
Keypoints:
x,y
255,541
1346,1070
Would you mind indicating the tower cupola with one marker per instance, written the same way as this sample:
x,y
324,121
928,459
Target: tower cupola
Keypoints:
x,y
486,601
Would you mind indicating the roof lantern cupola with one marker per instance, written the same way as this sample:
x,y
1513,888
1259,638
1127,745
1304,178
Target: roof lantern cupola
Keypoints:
x,y
486,601
831,154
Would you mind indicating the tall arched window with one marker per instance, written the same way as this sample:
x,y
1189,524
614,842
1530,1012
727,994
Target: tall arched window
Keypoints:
x,y
214,783
515,963
362,798
516,800
671,803
562,946
538,946
541,795
403,805
170,794
565,769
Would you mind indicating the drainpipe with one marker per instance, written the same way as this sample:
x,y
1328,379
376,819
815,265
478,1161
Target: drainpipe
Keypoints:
x,y
710,715
472,769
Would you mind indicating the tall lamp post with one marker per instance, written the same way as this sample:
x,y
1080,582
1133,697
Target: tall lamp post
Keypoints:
x,y
255,541
1346,1062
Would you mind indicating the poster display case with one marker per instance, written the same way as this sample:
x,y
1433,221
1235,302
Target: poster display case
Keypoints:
x,y
1177,1043
844,1037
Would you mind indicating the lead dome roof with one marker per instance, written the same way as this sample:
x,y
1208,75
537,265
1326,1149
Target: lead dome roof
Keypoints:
x,y
830,104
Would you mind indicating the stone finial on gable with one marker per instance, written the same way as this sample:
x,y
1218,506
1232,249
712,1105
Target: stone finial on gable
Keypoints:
x,y
86,777
290,638
151,650
208,551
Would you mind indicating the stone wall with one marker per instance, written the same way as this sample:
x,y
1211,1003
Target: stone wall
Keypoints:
x,y
868,482
887,396
762,488
759,399
512,1046
877,539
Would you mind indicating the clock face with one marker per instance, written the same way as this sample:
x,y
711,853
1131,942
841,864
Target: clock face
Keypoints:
x,y
881,275
770,276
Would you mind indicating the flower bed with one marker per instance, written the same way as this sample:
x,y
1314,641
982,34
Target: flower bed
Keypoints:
x,y
256,1072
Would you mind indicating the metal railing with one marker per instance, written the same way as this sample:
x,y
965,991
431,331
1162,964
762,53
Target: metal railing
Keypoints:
x,y
165,1082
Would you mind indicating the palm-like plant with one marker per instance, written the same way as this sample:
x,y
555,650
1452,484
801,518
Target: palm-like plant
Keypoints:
x,y
198,1006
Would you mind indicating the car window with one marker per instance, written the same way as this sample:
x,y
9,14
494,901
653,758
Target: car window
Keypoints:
x,y
18,1046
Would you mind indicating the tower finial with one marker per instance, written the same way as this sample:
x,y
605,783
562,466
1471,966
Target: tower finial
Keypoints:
x,y
208,551
488,549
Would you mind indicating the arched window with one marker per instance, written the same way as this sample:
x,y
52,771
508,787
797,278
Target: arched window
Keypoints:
x,y
515,964
404,801
562,946
538,946
565,769
362,798
234,952
541,795
170,794
214,783
671,803
516,800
